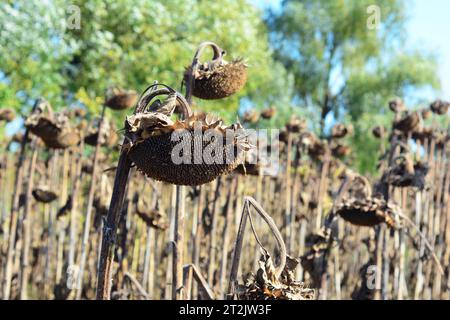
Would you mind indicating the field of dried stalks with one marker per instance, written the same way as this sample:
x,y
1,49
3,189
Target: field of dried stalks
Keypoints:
x,y
76,223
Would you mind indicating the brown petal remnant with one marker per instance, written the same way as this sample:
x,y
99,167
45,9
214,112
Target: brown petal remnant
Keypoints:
x,y
408,123
7,114
44,195
268,113
54,129
120,99
340,131
217,78
396,105
153,135
379,132
265,286
440,107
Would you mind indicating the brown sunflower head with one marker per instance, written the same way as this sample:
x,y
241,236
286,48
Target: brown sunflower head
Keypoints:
x,y
53,128
108,135
7,114
407,123
440,107
316,147
341,150
379,132
268,113
366,212
191,151
340,131
215,79
265,286
296,125
396,105
313,261
251,116
360,208
44,194
120,99
405,173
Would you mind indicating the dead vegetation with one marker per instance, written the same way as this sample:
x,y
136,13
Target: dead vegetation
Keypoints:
x,y
76,223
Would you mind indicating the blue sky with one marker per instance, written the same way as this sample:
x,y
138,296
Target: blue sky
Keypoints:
x,y
428,27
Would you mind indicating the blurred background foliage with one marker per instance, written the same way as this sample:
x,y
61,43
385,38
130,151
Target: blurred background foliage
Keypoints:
x,y
315,58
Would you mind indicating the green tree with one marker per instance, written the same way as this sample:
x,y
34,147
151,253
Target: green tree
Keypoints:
x,y
128,43
348,58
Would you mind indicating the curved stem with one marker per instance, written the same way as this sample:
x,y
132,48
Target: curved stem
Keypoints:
x,y
276,233
425,240
218,54
152,92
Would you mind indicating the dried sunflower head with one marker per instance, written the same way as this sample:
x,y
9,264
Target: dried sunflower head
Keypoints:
x,y
378,132
408,123
314,260
44,194
54,129
268,113
251,116
296,125
108,136
7,114
340,131
405,173
265,286
357,205
120,99
440,107
191,151
341,150
367,212
216,79
396,105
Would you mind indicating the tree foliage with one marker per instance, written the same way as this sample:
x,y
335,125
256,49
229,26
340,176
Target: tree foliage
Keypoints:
x,y
344,65
127,43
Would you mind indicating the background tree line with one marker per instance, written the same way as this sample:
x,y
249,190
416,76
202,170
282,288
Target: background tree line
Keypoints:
x,y
314,58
